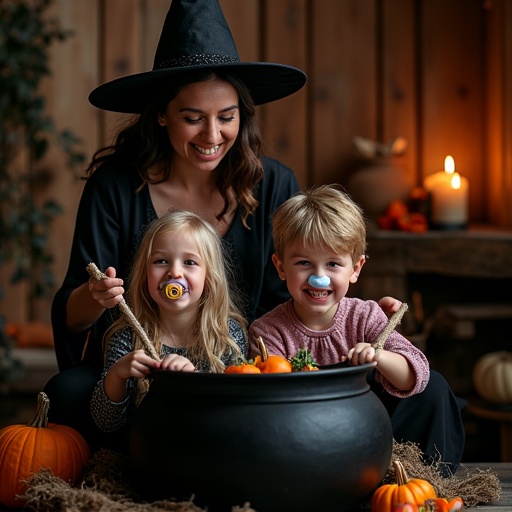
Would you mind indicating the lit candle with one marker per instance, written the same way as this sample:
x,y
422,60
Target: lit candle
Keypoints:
x,y
449,197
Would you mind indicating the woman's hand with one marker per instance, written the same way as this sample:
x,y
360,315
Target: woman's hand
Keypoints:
x,y
107,292
177,363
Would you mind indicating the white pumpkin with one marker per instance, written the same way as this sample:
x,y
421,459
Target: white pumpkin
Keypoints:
x,y
492,377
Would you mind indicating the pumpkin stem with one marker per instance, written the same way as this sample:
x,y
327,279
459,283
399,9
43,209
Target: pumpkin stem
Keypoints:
x,y
40,419
400,473
263,349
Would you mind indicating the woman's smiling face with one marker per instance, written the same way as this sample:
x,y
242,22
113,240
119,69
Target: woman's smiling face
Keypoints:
x,y
202,122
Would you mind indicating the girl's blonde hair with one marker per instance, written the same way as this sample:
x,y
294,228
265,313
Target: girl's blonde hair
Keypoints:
x,y
209,337
324,217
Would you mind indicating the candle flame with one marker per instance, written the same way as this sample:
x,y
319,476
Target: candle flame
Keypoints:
x,y
456,181
449,165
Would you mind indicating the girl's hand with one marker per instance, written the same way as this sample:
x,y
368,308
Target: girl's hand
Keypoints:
x,y
135,364
107,292
362,353
177,363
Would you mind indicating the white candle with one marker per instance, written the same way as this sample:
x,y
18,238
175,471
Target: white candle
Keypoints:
x,y
449,196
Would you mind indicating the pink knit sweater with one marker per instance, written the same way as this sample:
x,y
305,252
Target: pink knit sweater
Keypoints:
x,y
355,321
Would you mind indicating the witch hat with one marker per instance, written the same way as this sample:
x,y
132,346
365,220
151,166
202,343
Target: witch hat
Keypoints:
x,y
196,36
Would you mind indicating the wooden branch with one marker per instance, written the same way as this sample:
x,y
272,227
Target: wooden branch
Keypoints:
x,y
96,273
390,326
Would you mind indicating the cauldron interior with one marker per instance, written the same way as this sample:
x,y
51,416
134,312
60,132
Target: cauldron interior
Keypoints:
x,y
303,441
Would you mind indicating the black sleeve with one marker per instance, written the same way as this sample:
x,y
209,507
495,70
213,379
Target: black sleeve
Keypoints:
x,y
109,214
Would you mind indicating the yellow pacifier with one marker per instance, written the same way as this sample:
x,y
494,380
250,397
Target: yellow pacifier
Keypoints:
x,y
173,291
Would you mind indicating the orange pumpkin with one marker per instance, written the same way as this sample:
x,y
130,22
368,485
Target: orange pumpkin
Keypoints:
x,y
25,449
271,363
414,490
242,368
443,505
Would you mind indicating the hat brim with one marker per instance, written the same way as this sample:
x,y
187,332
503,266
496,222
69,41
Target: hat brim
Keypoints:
x,y
266,82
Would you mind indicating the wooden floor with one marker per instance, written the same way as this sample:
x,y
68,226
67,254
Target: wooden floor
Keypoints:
x,y
504,472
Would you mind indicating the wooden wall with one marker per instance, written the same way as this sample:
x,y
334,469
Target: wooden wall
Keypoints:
x,y
436,72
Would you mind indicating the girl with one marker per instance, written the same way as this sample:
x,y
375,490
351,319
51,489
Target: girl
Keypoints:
x,y
179,293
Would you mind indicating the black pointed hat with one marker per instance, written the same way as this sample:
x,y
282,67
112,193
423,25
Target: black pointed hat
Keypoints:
x,y
196,35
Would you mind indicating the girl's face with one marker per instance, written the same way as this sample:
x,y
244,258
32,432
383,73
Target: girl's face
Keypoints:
x,y
202,121
176,256
316,306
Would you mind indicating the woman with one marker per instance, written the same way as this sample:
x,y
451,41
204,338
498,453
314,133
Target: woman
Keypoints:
x,y
195,145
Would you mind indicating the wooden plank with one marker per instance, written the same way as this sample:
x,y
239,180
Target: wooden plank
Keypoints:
x,y
245,23
285,121
495,56
399,98
343,83
121,53
506,181
153,17
74,63
73,74
452,92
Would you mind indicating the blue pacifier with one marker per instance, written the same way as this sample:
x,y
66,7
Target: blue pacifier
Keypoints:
x,y
319,282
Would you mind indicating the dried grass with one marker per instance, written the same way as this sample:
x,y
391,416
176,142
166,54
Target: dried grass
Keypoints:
x,y
476,487
106,486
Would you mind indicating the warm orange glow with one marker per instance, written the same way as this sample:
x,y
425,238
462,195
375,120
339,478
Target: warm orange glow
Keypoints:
x,y
449,165
455,181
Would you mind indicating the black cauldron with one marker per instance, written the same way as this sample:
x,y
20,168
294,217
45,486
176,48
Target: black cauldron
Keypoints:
x,y
305,441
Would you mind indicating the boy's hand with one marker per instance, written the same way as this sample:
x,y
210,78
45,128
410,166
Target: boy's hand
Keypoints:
x,y
389,305
362,353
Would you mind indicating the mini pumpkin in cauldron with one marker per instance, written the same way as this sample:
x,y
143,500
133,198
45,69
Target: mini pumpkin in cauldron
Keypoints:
x,y
298,441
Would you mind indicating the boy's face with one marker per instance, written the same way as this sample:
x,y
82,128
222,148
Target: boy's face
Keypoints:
x,y
316,306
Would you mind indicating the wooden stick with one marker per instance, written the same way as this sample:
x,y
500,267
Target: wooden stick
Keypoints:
x,y
96,273
392,323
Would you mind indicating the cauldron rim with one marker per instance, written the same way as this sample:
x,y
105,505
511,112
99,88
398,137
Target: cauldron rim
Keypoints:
x,y
333,369
328,383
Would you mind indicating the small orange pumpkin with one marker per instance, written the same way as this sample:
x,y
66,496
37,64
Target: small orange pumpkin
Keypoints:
x,y
414,490
271,363
242,368
25,449
443,505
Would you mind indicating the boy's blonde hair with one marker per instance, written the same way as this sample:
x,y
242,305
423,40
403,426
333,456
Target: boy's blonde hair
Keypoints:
x,y
324,217
209,337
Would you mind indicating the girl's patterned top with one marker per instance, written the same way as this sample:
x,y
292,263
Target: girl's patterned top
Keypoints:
x,y
110,416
